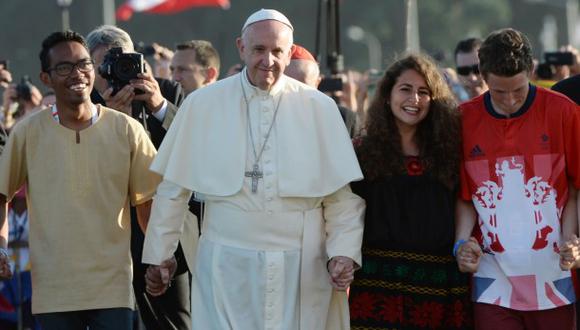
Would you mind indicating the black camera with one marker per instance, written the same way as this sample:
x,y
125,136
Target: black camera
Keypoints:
x,y
330,85
24,89
120,68
559,58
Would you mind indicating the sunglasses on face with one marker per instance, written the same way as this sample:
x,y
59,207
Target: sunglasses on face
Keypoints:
x,y
466,70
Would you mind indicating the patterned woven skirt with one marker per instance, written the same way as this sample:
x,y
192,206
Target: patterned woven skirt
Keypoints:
x,y
403,290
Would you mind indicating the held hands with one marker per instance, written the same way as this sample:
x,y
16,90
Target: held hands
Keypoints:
x,y
341,271
468,256
158,278
569,253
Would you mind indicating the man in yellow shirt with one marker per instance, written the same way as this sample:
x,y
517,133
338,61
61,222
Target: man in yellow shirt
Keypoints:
x,y
82,165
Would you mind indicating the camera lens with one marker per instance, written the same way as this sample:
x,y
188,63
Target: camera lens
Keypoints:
x,y
126,69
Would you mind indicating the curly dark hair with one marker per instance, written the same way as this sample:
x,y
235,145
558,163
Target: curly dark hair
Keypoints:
x,y
505,53
438,134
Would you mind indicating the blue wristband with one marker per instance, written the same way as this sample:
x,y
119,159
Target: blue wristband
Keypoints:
x,y
457,245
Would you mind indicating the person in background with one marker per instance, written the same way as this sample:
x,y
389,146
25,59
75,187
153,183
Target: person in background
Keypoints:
x,y
303,67
234,69
16,294
569,87
196,63
467,66
162,57
155,108
20,100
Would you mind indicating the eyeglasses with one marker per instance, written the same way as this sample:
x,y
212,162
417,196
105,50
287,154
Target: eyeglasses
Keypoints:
x,y
66,68
466,70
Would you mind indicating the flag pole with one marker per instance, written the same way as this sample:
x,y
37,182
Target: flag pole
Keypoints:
x,y
109,12
412,26
64,13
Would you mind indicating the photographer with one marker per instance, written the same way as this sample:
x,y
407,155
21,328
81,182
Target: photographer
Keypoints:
x,y
154,103
565,62
19,100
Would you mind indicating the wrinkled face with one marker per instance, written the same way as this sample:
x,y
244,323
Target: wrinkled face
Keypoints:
x,y
74,88
508,94
98,56
186,71
472,81
410,99
265,49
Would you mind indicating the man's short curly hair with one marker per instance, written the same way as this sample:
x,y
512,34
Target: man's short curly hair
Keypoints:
x,y
56,38
505,53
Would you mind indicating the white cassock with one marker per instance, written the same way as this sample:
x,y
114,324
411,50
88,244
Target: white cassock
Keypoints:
x,y
261,259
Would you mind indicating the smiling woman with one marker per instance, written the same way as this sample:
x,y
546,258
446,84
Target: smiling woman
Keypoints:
x,y
410,159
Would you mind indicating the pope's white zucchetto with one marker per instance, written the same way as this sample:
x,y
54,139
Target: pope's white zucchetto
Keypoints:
x,y
267,14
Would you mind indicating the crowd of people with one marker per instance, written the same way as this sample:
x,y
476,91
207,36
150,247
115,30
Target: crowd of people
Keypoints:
x,y
421,197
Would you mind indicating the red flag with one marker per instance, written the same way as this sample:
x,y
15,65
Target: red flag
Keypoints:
x,y
126,10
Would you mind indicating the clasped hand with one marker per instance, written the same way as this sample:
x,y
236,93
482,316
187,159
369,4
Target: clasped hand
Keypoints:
x,y
569,253
468,256
158,278
341,271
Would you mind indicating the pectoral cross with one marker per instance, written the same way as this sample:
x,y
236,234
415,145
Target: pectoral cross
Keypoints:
x,y
255,174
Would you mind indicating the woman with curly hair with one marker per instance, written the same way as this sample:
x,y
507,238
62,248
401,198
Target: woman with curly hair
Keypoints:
x,y
410,159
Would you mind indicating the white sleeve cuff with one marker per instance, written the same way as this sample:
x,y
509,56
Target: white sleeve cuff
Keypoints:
x,y
160,115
